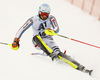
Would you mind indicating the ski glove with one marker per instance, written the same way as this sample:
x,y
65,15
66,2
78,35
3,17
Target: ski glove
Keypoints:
x,y
15,44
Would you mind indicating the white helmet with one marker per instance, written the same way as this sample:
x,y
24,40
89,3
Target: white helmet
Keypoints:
x,y
44,8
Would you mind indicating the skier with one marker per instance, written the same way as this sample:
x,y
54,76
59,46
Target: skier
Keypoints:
x,y
42,41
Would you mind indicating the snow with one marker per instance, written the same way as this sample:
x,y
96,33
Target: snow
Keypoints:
x,y
73,22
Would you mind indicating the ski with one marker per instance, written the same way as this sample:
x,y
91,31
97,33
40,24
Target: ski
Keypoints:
x,y
42,54
66,61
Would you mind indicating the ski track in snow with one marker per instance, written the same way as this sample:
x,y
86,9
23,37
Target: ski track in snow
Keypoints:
x,y
73,22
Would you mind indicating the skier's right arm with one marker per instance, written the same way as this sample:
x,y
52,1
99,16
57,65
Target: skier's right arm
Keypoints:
x,y
16,40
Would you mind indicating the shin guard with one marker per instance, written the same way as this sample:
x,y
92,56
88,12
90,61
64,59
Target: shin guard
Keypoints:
x,y
42,45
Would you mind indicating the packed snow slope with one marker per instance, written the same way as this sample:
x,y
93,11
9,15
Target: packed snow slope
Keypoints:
x,y
73,22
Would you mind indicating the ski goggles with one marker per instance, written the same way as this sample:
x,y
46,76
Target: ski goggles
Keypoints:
x,y
46,14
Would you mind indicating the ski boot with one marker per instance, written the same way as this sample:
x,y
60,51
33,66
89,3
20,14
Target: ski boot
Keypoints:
x,y
53,56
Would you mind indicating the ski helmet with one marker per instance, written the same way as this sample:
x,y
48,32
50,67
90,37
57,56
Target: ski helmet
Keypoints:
x,y
44,9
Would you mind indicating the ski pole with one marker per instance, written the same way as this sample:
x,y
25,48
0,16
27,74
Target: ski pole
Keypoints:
x,y
51,32
9,45
5,43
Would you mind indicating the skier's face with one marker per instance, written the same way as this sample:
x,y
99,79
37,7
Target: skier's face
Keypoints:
x,y
44,16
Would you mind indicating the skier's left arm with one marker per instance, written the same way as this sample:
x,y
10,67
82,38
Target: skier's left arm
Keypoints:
x,y
54,24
